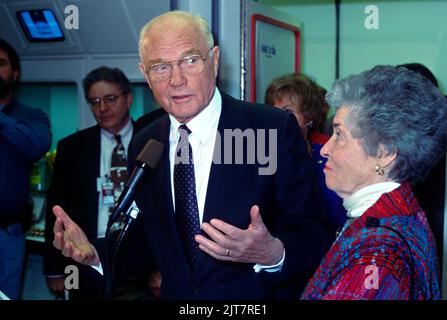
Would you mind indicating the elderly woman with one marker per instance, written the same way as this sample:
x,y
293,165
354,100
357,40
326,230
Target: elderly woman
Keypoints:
x,y
389,129
304,98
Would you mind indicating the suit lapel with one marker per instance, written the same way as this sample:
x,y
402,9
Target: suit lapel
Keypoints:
x,y
92,165
220,190
222,176
158,196
160,188
164,177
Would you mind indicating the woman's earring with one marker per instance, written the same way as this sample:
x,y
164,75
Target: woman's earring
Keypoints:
x,y
309,124
379,170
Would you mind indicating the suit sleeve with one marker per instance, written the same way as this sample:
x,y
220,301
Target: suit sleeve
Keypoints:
x,y
54,261
301,221
30,135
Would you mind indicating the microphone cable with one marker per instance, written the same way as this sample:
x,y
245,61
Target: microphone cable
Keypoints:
x,y
129,217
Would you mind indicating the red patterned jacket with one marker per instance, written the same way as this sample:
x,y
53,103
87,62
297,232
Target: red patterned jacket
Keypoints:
x,y
387,253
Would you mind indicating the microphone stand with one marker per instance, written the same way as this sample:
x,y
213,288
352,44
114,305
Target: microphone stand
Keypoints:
x,y
130,216
147,159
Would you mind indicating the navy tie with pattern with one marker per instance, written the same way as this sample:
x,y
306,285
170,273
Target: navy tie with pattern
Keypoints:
x,y
118,169
186,209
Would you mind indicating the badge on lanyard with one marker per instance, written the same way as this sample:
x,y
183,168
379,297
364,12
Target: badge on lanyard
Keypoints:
x,y
107,191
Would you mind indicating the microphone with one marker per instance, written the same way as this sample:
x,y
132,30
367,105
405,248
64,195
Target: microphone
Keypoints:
x,y
146,161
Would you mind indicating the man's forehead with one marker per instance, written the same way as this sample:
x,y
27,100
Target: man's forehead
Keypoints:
x,y
159,56
171,47
102,85
172,31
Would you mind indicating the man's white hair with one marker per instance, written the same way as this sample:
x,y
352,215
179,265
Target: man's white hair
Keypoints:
x,y
195,20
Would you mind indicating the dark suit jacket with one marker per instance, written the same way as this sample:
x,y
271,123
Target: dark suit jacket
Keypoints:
x,y
288,203
430,193
73,187
148,118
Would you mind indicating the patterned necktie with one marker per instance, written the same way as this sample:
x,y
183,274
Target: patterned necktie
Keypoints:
x,y
118,168
186,209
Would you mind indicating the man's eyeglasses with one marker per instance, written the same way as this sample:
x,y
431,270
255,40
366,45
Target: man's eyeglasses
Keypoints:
x,y
109,100
4,62
191,65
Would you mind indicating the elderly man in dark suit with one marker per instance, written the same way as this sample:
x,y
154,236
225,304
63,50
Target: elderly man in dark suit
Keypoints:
x,y
225,220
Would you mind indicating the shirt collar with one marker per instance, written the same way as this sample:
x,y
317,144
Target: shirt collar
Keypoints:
x,y
361,200
124,132
200,124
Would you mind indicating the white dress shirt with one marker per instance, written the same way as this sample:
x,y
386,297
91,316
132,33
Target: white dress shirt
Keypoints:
x,y
202,139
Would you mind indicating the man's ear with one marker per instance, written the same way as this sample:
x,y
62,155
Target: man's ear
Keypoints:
x,y
216,60
129,100
143,71
15,75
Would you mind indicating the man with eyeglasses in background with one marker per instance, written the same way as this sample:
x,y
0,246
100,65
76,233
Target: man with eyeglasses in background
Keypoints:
x,y
83,173
203,217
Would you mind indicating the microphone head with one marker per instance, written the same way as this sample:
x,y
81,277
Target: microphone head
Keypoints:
x,y
151,153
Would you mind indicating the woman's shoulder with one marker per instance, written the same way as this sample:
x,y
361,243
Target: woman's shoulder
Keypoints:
x,y
371,243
